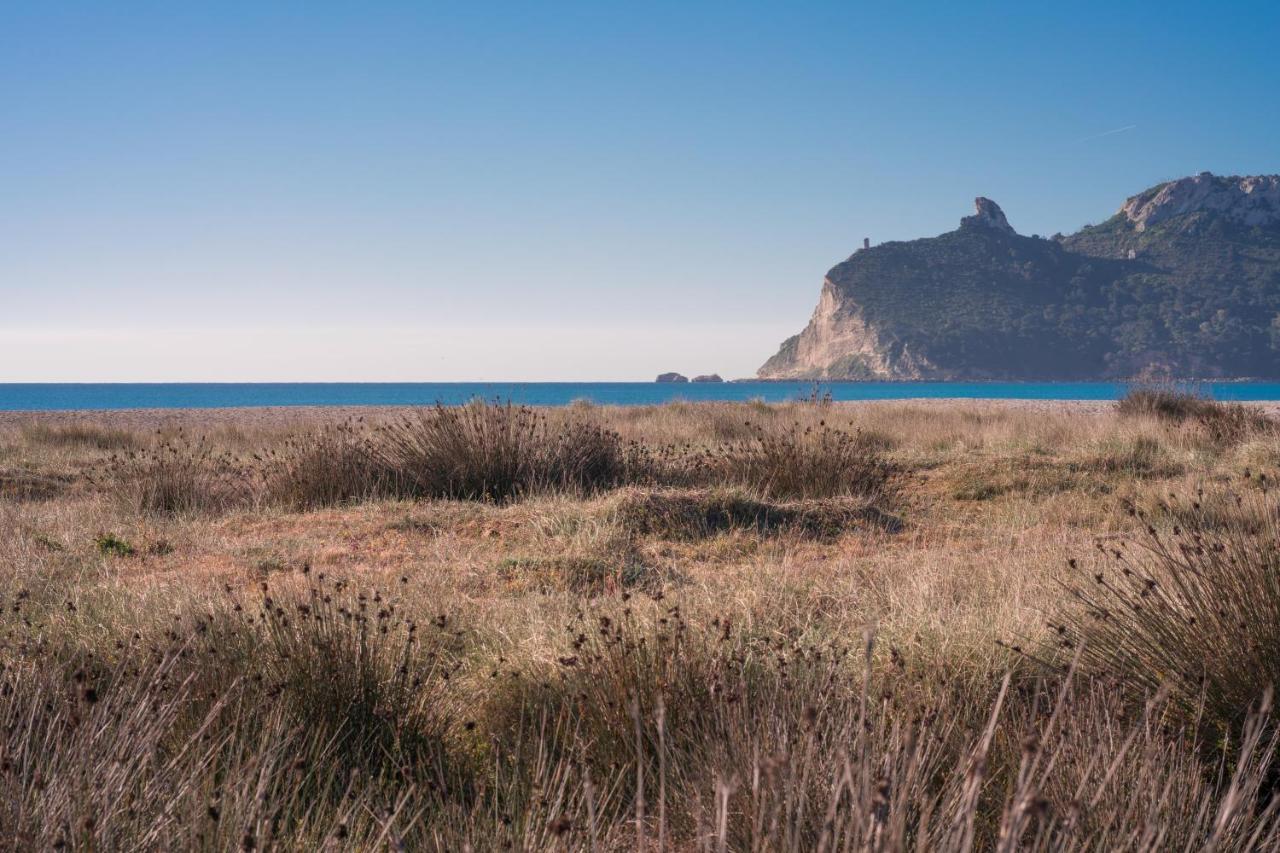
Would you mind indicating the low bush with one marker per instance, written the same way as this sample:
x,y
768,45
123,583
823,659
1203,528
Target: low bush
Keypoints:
x,y
110,545
493,452
581,575
1233,423
1142,457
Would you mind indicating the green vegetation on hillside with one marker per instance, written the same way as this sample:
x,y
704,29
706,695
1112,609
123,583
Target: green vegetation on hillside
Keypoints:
x,y
1197,300
1196,294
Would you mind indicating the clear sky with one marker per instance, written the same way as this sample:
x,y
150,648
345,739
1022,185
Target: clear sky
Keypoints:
x,y
474,190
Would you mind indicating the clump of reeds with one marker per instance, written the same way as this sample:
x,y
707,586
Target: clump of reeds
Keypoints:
x,y
774,462
1086,769
1223,423
1168,402
658,708
495,452
499,452
323,716
755,741
139,752
352,664
179,475
1192,603
328,466
800,462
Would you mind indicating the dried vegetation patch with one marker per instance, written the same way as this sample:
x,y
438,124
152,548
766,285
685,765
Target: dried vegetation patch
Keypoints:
x,y
793,627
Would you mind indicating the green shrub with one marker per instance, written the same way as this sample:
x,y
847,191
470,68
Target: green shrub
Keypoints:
x,y
110,545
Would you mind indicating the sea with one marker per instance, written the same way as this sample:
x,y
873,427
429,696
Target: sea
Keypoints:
x,y
101,396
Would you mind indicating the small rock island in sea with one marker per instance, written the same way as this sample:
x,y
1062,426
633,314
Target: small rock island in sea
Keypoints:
x,y
708,377
671,377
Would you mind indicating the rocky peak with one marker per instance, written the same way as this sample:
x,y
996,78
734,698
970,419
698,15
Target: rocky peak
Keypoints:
x,y
989,215
1253,200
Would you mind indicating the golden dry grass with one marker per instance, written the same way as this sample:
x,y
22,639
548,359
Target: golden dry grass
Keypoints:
x,y
532,647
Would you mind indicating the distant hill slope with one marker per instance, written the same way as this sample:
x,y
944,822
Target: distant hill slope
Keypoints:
x,y
1184,279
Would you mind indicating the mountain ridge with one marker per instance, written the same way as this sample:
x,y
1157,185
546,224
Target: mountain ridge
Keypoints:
x,y
1183,280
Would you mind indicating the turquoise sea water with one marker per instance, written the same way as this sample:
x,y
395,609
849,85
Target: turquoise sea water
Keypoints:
x,y
18,397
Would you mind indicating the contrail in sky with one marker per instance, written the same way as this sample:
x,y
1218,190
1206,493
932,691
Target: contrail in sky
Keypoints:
x,y
1127,127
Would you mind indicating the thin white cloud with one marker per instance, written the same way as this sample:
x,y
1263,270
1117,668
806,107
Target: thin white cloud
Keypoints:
x,y
1125,129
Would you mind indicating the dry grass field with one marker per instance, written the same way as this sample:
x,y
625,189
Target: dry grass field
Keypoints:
x,y
943,626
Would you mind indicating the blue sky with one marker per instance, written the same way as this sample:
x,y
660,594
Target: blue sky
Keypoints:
x,y
466,191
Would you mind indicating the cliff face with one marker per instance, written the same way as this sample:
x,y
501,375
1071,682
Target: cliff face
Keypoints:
x,y
1252,201
1185,278
839,343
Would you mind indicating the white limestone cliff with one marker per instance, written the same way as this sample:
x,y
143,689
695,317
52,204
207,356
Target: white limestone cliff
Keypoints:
x,y
1253,200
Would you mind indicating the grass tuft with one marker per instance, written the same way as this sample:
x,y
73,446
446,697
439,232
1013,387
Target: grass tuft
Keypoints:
x,y
1225,424
499,452
692,514
79,435
326,467
1192,604
179,476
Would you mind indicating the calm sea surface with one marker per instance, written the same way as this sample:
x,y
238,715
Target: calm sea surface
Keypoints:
x,y
223,395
